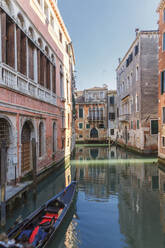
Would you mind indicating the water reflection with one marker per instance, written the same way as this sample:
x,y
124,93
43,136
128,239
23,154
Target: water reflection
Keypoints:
x,y
120,201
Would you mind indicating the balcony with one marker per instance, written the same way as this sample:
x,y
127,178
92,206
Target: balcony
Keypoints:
x,y
17,81
124,118
95,119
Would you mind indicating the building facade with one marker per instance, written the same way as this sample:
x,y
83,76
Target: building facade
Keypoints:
x,y
36,76
112,115
161,82
91,115
137,90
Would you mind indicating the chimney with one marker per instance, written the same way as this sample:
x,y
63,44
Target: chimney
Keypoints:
x,y
136,31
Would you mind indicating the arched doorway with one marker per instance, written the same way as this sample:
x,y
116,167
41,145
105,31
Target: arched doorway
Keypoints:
x,y
4,136
94,133
26,148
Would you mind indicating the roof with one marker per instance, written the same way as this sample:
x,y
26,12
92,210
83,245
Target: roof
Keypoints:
x,y
96,88
112,91
132,45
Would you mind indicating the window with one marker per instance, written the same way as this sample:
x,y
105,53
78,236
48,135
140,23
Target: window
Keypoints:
x,y
63,119
137,103
163,41
163,115
80,136
111,116
111,100
88,126
80,112
41,139
163,141
136,49
154,126
47,74
8,42
137,124
112,131
101,125
21,52
31,59
52,20
162,82
80,125
131,124
54,137
61,84
54,79
46,11
137,73
60,36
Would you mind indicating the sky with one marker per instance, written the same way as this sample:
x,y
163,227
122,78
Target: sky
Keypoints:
x,y
102,32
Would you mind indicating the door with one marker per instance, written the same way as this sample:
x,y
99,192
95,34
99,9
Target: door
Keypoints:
x,y
25,152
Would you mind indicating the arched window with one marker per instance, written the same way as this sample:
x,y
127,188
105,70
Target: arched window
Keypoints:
x,y
41,139
4,131
94,133
137,73
54,137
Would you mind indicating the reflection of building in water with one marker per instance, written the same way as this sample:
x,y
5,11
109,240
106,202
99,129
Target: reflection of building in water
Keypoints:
x,y
68,177
139,205
71,238
87,153
136,186
162,197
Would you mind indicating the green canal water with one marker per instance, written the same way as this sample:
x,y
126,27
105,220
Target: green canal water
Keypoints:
x,y
120,200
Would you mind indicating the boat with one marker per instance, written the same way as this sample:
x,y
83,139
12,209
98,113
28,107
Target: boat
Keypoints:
x,y
39,228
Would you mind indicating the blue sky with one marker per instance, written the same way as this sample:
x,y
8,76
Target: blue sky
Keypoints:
x,y
102,31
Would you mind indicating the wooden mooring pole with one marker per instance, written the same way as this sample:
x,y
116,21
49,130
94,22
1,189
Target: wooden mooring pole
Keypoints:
x,y
3,161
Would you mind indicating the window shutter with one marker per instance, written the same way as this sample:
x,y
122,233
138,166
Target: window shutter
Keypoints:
x,y
18,49
23,54
3,28
39,65
10,48
162,84
48,74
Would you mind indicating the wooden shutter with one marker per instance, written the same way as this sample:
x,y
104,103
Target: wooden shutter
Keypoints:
x,y
162,82
23,53
31,60
39,65
48,74
10,44
18,49
3,30
42,69
54,79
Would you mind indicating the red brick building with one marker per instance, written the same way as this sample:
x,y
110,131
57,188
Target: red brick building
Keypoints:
x,y
161,82
36,74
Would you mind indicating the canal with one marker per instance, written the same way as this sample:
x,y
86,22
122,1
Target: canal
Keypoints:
x,y
120,201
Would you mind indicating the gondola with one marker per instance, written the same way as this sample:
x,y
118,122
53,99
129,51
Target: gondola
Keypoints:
x,y
38,229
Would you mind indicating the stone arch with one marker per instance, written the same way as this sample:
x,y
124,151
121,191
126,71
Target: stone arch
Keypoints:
x,y
40,42
31,32
94,133
21,20
27,134
47,50
41,138
6,135
7,4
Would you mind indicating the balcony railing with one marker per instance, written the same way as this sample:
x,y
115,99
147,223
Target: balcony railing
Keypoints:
x,y
15,80
125,117
94,118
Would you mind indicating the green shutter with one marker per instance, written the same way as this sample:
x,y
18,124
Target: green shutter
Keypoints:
x,y
162,80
